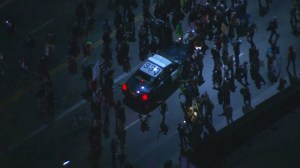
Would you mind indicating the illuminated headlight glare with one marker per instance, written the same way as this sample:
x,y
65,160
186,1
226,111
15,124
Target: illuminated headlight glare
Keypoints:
x,y
143,87
137,92
66,163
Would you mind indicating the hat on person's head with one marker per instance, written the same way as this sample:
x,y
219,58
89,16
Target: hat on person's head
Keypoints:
x,y
291,48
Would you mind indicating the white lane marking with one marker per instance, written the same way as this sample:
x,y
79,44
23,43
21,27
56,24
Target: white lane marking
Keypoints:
x,y
116,80
120,77
5,3
36,132
43,25
241,54
131,124
12,147
69,110
78,104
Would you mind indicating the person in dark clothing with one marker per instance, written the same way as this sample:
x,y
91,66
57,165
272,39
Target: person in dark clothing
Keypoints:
x,y
153,46
177,17
95,139
163,108
209,109
106,124
230,65
118,19
227,112
106,39
250,32
91,4
29,43
217,76
244,71
273,26
120,34
130,17
107,54
246,94
291,59
81,14
182,135
11,28
236,48
198,58
144,122
293,18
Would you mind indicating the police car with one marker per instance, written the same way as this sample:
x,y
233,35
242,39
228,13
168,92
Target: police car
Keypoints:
x,y
155,76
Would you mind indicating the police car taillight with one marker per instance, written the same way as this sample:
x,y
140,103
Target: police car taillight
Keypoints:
x,y
144,97
124,87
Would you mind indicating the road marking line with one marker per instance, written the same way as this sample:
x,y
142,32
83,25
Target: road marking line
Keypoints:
x,y
126,74
131,124
78,104
43,25
5,3
36,132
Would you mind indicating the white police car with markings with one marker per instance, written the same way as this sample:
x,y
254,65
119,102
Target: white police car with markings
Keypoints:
x,y
157,74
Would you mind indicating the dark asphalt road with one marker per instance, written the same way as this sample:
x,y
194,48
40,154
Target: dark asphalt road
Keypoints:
x,y
29,140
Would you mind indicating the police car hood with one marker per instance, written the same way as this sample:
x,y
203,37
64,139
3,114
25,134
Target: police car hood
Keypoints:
x,y
138,86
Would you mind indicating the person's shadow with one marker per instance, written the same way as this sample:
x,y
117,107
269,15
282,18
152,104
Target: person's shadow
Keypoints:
x,y
163,128
292,79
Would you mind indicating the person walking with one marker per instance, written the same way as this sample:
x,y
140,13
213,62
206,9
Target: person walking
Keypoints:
x,y
106,124
81,14
179,31
236,48
11,28
246,95
95,139
227,112
291,59
163,108
250,32
24,66
209,109
182,135
273,26
244,71
293,18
